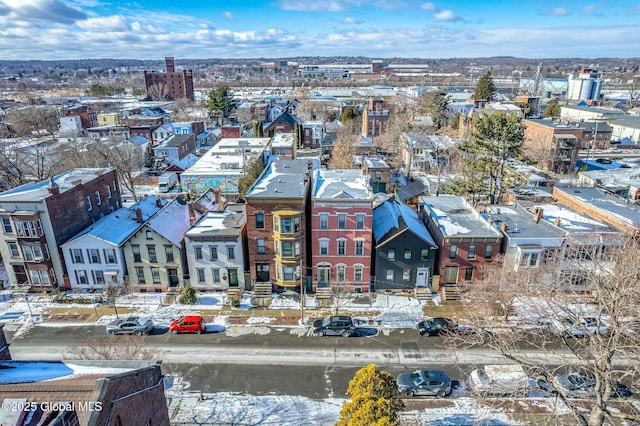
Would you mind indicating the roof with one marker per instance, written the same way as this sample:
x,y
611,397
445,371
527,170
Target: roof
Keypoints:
x,y
341,184
281,179
411,190
282,140
174,141
568,219
226,223
375,163
36,191
287,117
117,227
393,217
172,221
456,217
521,223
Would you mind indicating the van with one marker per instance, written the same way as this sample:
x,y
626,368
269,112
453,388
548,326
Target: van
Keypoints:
x,y
188,324
499,380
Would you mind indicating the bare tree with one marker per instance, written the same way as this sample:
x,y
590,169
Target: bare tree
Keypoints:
x,y
125,157
343,147
595,281
157,92
113,347
539,152
34,120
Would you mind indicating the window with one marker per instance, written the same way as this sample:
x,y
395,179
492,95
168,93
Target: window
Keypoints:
x,y
6,225
342,247
378,176
342,221
28,228
137,257
424,254
296,224
76,256
168,252
81,277
324,221
262,249
197,251
14,252
407,254
259,220
488,252
98,200
213,253
286,224
357,273
110,256
216,275
533,259
359,248
360,221
287,248
149,235
324,247
94,256
406,274
140,274
151,251
200,273
341,273
468,274
39,278
471,254
32,253
115,189
98,277
47,255
453,251
87,201
390,274
108,188
155,275
231,253
296,248
451,274
391,254
287,272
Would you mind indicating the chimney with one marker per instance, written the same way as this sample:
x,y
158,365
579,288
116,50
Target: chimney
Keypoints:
x,y
217,193
158,202
169,64
538,215
139,215
557,221
504,227
192,214
53,187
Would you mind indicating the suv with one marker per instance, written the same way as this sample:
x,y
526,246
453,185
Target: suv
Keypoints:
x,y
337,325
424,382
188,324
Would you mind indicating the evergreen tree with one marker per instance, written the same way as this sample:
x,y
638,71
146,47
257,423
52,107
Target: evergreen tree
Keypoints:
x,y
220,103
149,156
349,113
374,399
252,171
486,89
436,104
552,110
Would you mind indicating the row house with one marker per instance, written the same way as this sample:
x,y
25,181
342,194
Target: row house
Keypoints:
x,y
277,224
378,171
313,134
155,250
283,146
215,250
176,147
88,117
341,223
467,242
114,132
405,252
95,256
286,122
38,217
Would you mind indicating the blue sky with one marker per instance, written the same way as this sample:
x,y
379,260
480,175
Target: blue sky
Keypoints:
x,y
153,29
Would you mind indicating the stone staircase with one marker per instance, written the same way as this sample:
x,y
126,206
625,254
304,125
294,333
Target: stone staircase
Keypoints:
x,y
423,294
324,296
451,292
262,294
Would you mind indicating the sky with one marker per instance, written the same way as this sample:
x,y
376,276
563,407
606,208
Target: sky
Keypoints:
x,y
153,29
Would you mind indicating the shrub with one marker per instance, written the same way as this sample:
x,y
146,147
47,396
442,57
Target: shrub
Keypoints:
x,y
187,296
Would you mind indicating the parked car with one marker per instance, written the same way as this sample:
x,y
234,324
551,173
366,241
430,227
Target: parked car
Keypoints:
x,y
582,383
424,382
436,326
500,380
188,324
130,325
336,325
577,327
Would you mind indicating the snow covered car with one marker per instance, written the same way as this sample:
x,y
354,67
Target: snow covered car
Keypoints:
x,y
582,383
503,380
578,326
424,382
130,325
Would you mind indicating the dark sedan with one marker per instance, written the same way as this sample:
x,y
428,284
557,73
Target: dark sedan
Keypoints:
x,y
436,326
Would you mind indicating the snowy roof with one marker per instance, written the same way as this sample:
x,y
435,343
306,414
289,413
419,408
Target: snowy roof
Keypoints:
x,y
456,217
341,184
282,140
187,161
375,163
411,190
139,139
16,372
36,191
392,217
118,226
570,221
172,221
521,224
173,141
226,223
281,179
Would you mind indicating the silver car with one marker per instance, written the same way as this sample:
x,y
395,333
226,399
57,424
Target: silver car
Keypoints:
x,y
130,325
424,382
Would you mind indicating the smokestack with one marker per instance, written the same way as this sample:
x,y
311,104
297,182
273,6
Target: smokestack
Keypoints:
x,y
192,214
504,227
557,221
538,215
139,215
217,193
170,64
158,202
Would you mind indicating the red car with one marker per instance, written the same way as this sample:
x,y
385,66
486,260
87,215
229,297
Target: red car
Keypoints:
x,y
188,324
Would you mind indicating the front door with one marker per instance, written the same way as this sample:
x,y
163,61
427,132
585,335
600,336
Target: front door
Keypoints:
x,y
324,273
262,272
173,277
422,277
233,277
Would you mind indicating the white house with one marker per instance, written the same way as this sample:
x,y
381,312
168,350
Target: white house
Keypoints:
x,y
214,249
95,256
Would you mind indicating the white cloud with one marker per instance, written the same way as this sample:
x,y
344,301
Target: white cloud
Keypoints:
x,y
317,5
54,11
558,11
105,23
351,21
229,16
428,6
589,9
445,15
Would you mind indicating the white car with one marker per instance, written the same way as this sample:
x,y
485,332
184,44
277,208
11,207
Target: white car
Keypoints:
x,y
578,327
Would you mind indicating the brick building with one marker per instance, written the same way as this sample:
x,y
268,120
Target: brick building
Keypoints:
x,y
88,117
277,224
177,84
38,217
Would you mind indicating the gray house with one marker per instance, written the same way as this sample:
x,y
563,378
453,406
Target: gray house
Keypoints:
x,y
405,252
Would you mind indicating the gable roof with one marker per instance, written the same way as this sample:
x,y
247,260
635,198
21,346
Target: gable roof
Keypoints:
x,y
393,217
411,190
287,117
172,221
